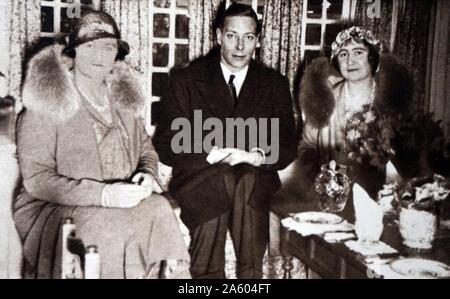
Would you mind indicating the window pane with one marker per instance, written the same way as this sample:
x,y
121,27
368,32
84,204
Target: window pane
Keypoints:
x,y
161,3
160,83
183,4
327,51
47,19
181,55
46,41
160,55
65,21
181,26
314,9
313,34
332,31
310,56
83,2
161,25
261,6
335,9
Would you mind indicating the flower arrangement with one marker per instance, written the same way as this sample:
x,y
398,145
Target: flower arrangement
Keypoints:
x,y
333,187
418,219
368,138
423,193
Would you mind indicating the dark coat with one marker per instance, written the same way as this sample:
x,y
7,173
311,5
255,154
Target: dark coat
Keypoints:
x,y
198,186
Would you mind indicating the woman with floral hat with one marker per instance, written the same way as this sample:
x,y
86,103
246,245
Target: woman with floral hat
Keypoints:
x,y
84,154
350,106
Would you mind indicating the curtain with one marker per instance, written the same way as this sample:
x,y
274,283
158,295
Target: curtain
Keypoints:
x,y
24,32
412,44
132,17
440,72
280,37
201,35
380,26
404,28
280,50
21,25
5,17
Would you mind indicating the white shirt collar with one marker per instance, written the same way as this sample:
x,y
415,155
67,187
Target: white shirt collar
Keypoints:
x,y
239,76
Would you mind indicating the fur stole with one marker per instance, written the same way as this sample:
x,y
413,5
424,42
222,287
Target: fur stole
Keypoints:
x,y
394,89
49,88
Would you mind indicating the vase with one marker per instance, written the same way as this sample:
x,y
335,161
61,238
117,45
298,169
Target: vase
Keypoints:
x,y
332,204
332,187
418,227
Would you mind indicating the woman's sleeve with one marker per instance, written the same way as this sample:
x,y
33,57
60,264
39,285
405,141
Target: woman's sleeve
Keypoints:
x,y
37,137
148,157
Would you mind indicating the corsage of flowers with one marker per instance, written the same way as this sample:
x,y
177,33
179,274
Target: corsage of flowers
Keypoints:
x,y
368,138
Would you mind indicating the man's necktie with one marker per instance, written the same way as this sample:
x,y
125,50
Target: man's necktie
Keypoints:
x,y
232,88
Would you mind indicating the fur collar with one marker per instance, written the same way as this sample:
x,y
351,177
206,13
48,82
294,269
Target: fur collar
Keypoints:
x,y
49,89
394,89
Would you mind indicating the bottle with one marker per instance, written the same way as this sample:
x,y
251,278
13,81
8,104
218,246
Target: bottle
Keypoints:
x,y
92,263
68,260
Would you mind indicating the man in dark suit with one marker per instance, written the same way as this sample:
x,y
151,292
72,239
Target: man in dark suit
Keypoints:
x,y
232,187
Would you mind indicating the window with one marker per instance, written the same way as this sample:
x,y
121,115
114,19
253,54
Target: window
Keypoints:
x,y
257,5
322,21
169,47
169,41
55,18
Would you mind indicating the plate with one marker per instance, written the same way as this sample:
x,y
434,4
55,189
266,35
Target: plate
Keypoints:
x,y
420,268
317,218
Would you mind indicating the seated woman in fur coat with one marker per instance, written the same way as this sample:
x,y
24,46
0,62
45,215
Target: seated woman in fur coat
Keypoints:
x,y
84,153
352,107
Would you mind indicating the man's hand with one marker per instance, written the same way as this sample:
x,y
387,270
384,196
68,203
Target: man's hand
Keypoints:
x,y
238,156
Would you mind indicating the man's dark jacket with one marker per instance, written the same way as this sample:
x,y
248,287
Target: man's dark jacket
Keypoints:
x,y
198,186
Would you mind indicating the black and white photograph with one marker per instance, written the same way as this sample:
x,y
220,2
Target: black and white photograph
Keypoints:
x,y
253,142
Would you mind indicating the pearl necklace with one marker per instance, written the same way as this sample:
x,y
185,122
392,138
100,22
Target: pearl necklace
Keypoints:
x,y
94,105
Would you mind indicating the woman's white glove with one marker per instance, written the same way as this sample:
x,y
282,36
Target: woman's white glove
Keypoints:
x,y
143,179
123,195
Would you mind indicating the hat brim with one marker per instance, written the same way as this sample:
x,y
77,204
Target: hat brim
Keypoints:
x,y
122,47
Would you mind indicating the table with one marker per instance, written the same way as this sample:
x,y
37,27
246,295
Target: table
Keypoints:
x,y
336,261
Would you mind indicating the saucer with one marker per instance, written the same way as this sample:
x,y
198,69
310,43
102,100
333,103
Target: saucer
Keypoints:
x,y
420,268
317,218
